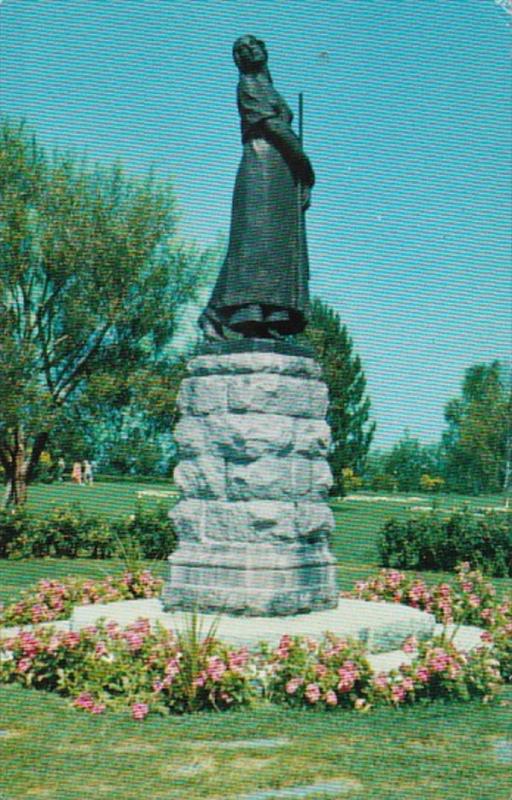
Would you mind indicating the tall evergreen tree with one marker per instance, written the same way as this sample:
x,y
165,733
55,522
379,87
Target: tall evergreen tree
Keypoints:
x,y
349,405
91,281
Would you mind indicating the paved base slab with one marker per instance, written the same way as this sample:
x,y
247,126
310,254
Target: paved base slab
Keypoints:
x,y
382,626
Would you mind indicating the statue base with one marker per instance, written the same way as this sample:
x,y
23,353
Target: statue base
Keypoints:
x,y
253,520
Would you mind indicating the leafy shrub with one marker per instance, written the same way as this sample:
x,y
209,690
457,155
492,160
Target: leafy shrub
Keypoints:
x,y
471,600
434,542
69,532
140,669
137,669
151,529
51,600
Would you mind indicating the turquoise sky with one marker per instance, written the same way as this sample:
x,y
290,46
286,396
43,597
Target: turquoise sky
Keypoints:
x,y
407,122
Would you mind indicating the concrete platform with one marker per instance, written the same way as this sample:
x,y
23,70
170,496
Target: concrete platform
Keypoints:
x,y
382,626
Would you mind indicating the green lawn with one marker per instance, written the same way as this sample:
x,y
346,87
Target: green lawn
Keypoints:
x,y
438,752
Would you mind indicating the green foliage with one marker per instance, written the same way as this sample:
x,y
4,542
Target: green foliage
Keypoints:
x,y
151,529
69,532
51,600
404,466
349,406
437,542
91,284
478,442
469,600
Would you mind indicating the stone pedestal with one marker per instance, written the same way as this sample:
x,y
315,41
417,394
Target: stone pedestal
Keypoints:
x,y
253,519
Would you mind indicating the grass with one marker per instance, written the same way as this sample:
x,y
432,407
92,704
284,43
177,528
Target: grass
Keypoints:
x,y
438,752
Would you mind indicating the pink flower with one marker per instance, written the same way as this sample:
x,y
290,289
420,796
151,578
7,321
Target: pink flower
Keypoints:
x,y
486,636
292,685
140,711
422,674
134,640
474,600
237,660
331,698
71,639
24,665
284,646
100,649
99,708
172,668
410,644
158,686
312,693
438,660
381,681
216,668
84,700
408,684
398,693
320,670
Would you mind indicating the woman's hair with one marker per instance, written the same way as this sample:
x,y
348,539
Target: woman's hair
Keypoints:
x,y
236,54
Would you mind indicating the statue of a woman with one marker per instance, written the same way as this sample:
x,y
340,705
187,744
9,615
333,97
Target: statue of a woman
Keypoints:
x,y
262,288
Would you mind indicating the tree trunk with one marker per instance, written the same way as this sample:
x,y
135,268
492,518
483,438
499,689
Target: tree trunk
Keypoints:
x,y
16,490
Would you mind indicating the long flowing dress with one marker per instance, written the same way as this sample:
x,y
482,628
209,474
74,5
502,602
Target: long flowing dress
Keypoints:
x,y
264,279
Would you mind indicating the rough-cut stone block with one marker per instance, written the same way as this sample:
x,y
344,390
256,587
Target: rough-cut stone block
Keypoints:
x,y
255,521
201,477
277,394
204,395
189,518
311,437
239,363
314,521
190,436
270,478
321,477
245,437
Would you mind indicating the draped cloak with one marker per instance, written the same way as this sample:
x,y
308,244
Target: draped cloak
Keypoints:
x,y
265,273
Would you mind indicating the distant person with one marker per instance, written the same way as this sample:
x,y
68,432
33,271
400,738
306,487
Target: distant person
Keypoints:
x,y
61,468
76,473
87,476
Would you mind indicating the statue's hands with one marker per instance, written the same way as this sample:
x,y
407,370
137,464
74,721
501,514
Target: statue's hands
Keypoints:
x,y
305,196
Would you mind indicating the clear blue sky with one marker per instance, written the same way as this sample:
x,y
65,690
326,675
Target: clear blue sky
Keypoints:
x,y
407,122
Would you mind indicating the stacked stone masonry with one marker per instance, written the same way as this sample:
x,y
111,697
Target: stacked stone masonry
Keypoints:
x,y
253,520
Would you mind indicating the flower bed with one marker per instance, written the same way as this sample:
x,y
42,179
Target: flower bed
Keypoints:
x,y
471,600
52,600
142,670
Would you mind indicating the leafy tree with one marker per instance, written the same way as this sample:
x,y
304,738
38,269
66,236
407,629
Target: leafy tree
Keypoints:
x,y
478,441
409,466
349,406
91,280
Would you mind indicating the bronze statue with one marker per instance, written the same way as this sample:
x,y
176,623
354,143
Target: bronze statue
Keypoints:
x,y
262,288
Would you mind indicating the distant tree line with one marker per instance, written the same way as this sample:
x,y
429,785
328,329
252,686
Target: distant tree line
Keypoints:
x,y
474,455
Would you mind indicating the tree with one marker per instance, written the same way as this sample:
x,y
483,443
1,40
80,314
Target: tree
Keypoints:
x,y
349,406
91,280
409,466
478,441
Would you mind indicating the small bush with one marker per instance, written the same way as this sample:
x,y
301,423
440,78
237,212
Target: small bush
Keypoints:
x,y
434,542
150,529
69,532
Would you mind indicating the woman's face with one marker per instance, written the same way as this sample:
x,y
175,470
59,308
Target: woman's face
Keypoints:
x,y
250,54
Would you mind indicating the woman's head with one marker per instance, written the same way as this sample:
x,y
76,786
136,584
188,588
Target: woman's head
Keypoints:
x,y
250,54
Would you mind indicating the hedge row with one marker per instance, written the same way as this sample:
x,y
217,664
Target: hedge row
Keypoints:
x,y
69,532
432,541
